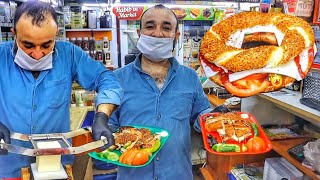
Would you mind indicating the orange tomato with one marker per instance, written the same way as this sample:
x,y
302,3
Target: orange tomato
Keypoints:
x,y
129,158
134,157
123,156
247,88
255,144
141,157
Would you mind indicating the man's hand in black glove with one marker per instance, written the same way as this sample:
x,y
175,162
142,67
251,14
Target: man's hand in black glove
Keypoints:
x,y
222,108
100,128
5,135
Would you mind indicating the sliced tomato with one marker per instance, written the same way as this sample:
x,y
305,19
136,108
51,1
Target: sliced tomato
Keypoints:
x,y
129,158
140,158
252,88
123,156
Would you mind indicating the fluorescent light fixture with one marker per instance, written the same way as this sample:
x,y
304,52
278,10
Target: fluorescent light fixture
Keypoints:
x,y
95,4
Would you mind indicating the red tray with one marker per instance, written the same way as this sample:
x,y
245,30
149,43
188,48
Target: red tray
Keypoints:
x,y
251,118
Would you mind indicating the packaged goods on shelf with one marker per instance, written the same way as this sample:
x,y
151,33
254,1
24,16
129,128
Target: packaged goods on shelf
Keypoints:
x,y
244,172
76,17
221,92
279,168
91,19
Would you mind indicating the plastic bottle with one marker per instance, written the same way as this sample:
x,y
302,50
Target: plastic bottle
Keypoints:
x,y
79,42
73,40
106,46
92,54
85,44
99,56
92,42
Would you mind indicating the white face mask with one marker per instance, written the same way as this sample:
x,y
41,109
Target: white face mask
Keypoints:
x,y
155,49
28,63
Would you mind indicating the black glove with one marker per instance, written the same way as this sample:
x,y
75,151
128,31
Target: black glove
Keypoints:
x,y
100,128
222,108
5,135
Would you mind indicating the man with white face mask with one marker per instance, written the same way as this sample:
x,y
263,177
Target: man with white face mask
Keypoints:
x,y
36,80
159,92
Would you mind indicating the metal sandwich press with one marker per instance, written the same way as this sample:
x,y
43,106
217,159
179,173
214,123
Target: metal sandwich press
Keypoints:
x,y
66,147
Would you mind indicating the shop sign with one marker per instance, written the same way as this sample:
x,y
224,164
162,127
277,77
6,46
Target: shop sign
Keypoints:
x,y
194,13
304,8
135,12
128,12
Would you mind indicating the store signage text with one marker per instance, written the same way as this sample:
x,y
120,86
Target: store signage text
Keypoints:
x,y
128,12
304,8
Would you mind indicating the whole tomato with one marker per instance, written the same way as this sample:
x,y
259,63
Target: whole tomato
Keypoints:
x,y
134,157
255,144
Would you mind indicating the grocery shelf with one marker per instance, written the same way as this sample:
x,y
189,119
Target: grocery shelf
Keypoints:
x,y
282,146
84,29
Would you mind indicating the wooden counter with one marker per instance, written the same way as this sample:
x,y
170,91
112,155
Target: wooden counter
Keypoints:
x,y
214,100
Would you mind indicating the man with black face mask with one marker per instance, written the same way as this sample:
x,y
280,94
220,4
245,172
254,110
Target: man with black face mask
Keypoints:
x,y
159,92
36,80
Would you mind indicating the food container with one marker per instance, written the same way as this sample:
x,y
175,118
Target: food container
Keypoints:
x,y
251,119
164,135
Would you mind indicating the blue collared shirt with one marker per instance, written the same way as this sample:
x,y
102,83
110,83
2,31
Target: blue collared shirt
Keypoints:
x,y
38,106
178,104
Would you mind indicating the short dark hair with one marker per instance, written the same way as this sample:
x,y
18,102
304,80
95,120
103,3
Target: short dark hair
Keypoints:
x,y
160,6
35,9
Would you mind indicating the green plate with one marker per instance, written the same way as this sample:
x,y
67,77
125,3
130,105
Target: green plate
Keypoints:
x,y
163,134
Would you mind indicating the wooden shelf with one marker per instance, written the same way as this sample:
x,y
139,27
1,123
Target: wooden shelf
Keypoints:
x,y
84,29
97,34
282,146
214,100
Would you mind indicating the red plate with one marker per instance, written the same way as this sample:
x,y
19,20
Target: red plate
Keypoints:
x,y
251,119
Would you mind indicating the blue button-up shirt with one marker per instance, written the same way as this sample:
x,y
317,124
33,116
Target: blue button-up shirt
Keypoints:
x,y
178,104
37,106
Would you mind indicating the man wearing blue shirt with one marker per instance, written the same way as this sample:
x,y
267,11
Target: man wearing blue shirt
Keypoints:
x,y
159,92
36,80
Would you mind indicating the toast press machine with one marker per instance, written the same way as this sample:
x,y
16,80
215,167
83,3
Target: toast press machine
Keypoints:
x,y
48,148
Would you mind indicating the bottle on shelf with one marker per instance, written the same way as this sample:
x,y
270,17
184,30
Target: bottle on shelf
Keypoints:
x,y
73,40
92,46
92,54
106,46
79,42
99,56
85,44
